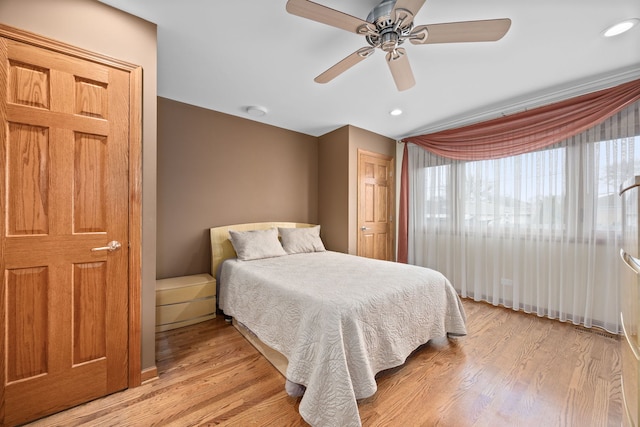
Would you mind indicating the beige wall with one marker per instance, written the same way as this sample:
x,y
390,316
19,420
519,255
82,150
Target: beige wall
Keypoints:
x,y
94,26
338,190
216,169
333,191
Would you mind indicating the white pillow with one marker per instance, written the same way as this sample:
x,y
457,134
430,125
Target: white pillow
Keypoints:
x,y
301,240
256,244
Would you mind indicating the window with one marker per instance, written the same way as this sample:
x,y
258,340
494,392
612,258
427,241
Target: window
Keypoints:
x,y
528,193
438,198
610,157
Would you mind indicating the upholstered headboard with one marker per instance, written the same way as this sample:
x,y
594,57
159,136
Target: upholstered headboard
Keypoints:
x,y
221,247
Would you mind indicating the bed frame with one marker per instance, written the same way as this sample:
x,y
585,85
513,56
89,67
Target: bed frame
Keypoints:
x,y
222,249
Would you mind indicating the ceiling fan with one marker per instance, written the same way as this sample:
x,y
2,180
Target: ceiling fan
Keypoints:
x,y
388,26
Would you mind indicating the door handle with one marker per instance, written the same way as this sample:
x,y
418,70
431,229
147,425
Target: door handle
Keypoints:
x,y
364,228
111,246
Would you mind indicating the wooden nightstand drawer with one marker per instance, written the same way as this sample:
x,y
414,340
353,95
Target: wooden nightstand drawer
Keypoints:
x,y
185,300
185,288
173,313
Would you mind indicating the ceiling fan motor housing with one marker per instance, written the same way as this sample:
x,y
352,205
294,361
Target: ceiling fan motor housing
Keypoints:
x,y
381,11
390,32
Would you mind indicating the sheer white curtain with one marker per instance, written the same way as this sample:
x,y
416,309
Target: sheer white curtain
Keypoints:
x,y
538,232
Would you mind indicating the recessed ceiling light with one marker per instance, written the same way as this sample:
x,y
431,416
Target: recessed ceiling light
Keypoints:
x,y
395,112
256,111
620,27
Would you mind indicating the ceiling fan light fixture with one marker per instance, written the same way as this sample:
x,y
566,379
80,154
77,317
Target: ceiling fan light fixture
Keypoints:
x,y
389,41
620,27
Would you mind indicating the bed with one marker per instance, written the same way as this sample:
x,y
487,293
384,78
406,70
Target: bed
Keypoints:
x,y
328,321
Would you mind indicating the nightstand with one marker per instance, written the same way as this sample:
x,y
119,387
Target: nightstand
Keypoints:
x,y
184,300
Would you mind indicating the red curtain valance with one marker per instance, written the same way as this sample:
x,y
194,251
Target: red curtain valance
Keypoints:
x,y
529,130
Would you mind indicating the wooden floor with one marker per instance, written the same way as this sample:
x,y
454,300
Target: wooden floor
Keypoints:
x,y
513,369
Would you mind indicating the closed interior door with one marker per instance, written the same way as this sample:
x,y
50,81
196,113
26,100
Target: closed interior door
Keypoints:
x,y
375,206
64,158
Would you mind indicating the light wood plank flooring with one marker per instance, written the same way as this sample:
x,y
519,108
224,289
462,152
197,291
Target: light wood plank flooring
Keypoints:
x,y
513,369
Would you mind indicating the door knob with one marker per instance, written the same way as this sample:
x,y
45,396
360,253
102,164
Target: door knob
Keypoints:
x,y
111,246
364,228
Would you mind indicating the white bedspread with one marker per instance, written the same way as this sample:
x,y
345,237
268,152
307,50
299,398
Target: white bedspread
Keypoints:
x,y
339,319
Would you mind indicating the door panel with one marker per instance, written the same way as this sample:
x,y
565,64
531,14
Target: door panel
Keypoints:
x,y
28,182
375,204
89,304
89,182
27,321
64,156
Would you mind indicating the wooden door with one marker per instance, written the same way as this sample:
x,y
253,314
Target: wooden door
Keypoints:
x,y
65,190
375,206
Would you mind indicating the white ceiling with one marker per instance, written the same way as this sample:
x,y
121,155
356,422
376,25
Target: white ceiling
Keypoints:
x,y
227,55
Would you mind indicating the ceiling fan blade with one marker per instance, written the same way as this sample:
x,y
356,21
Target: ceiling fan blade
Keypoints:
x,y
412,6
404,11
326,15
489,30
400,69
345,64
